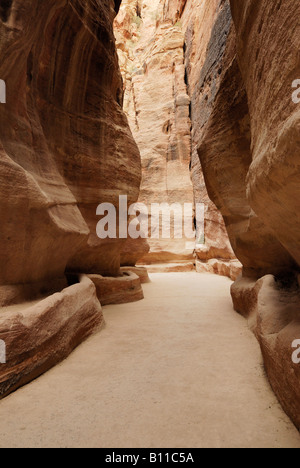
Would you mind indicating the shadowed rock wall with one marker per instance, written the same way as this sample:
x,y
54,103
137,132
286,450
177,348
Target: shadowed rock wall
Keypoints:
x,y
65,147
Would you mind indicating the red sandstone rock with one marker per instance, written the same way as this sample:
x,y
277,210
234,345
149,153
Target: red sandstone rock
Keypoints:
x,y
39,336
272,309
65,147
267,44
140,271
249,152
133,251
156,102
119,290
232,269
150,40
171,267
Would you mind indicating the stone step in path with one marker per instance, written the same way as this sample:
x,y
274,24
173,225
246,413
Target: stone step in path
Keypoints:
x,y
178,369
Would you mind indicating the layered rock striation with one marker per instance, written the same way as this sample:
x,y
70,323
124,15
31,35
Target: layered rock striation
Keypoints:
x,y
65,148
248,146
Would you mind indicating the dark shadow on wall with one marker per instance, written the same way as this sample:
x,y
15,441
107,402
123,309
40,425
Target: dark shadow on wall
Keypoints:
x,y
117,5
5,7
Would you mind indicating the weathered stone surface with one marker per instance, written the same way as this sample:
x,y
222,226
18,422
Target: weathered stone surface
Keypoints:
x,y
65,147
133,251
268,58
206,26
268,55
225,156
39,336
249,151
157,65
156,101
232,269
119,290
65,144
140,271
171,267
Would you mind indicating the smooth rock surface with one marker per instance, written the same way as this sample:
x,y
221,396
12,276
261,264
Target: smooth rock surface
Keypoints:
x,y
162,48
40,335
273,313
118,290
249,153
65,147
267,47
140,271
65,143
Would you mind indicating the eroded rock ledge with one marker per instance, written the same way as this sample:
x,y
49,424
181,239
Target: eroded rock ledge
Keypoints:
x,y
39,336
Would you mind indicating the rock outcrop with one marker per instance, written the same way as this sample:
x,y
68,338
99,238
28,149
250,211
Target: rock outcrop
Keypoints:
x,y
38,336
121,290
206,25
65,147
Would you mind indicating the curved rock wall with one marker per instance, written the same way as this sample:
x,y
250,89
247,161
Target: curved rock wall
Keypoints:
x,y
206,26
248,145
65,147
65,143
268,35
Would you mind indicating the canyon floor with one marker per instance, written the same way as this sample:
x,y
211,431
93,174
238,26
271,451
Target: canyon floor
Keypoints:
x,y
179,369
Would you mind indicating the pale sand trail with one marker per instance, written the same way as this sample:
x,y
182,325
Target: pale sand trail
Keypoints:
x,y
179,369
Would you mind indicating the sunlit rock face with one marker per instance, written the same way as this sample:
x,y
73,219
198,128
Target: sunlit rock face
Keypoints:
x,y
156,101
65,143
161,46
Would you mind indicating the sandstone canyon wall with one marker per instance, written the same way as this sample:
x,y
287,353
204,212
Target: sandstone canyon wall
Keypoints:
x,y
240,60
158,77
268,36
65,147
208,93
247,129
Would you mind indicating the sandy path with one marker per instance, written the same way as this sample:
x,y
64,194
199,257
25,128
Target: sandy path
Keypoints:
x,y
179,369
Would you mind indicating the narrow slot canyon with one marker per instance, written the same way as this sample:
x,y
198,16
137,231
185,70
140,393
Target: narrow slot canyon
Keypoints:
x,y
150,259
